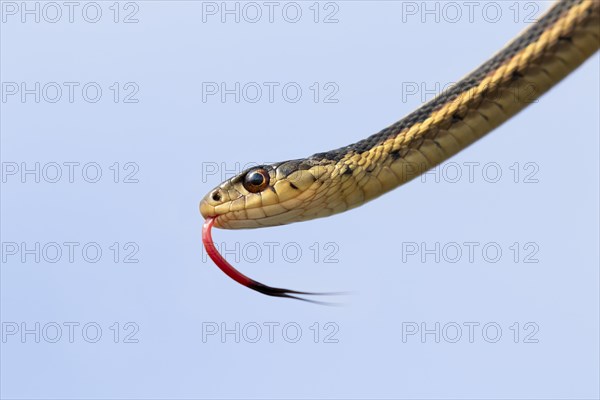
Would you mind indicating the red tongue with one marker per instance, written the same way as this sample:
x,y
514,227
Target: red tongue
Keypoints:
x,y
221,262
238,276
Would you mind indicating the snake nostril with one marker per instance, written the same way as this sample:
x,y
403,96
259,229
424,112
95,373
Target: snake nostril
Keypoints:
x,y
216,196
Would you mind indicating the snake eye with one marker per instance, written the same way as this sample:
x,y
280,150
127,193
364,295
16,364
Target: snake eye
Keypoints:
x,y
256,180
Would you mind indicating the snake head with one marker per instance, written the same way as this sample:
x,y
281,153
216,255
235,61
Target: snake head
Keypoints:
x,y
269,195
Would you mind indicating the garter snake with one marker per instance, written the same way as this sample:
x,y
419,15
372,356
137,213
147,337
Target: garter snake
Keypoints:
x,y
338,180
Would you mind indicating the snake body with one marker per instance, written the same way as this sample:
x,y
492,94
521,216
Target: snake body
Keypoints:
x,y
338,180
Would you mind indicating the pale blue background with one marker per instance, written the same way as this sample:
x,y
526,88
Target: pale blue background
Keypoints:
x,y
170,133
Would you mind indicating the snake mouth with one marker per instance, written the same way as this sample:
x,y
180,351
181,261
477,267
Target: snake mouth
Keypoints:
x,y
226,218
207,210
249,218
225,221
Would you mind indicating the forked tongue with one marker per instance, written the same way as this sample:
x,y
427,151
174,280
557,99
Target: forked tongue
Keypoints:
x,y
242,279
